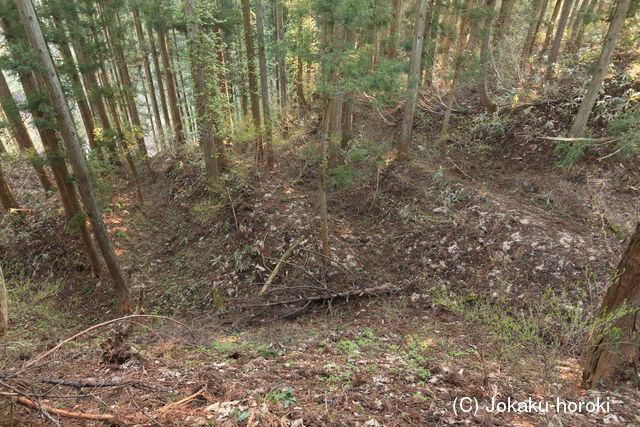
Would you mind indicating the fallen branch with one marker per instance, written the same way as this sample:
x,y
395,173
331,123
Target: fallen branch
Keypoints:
x,y
560,138
74,384
332,295
69,414
119,319
276,270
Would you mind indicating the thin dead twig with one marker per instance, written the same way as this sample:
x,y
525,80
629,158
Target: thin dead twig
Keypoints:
x,y
119,319
180,402
337,263
276,270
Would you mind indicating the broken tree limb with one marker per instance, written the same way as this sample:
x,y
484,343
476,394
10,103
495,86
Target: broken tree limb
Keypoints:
x,y
346,294
63,413
79,334
276,270
561,138
75,384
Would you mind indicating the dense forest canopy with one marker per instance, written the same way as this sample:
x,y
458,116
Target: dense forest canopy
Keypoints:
x,y
256,161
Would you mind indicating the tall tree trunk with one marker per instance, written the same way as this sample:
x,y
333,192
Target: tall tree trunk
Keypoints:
x,y
322,194
128,89
299,83
6,196
580,121
395,29
431,30
457,62
485,100
252,76
539,9
159,77
49,140
171,88
280,51
264,86
78,91
213,152
147,72
557,41
584,18
74,151
180,84
550,26
504,19
242,78
21,134
4,305
617,344
413,83
450,23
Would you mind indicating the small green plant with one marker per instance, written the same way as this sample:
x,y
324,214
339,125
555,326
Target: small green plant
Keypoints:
x,y
284,396
348,346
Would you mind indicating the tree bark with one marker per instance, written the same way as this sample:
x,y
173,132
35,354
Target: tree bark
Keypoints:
x,y
580,121
147,72
181,85
21,134
550,26
128,88
4,305
431,30
171,88
557,41
539,10
252,76
485,100
280,52
74,150
322,193
504,19
213,153
413,83
7,198
581,23
395,29
264,86
457,62
48,137
158,71
299,79
617,344
78,91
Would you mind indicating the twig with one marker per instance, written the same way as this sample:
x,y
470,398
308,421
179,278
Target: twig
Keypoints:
x,y
79,334
308,273
276,270
375,193
233,209
336,262
251,416
182,401
153,420
609,155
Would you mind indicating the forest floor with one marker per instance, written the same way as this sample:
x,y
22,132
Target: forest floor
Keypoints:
x,y
487,262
